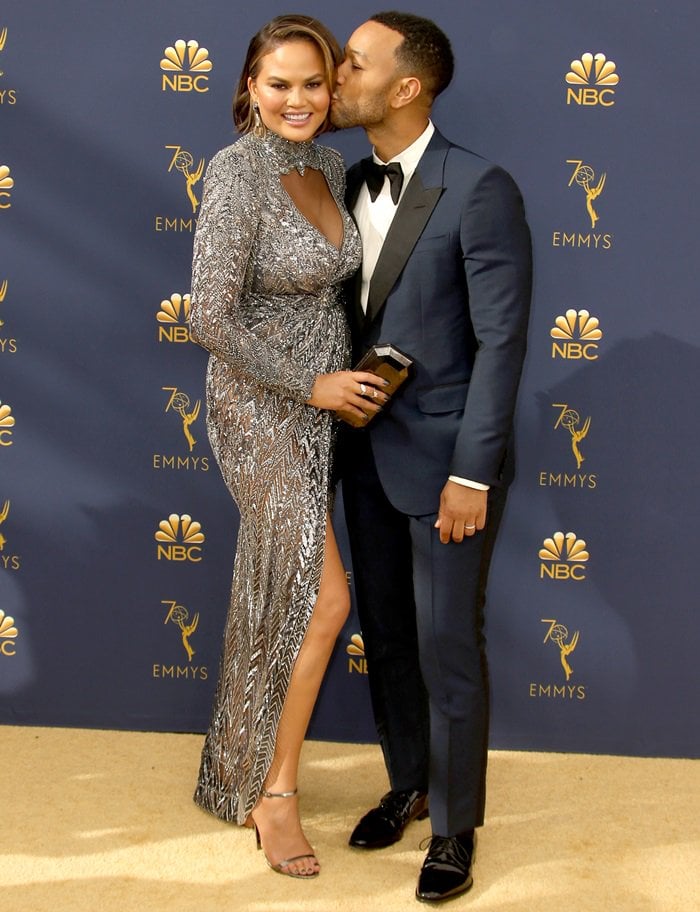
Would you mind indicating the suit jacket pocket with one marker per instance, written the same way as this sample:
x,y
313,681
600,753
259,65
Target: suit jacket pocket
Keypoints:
x,y
433,243
438,399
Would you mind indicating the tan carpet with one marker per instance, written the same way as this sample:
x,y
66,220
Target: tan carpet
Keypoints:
x,y
102,821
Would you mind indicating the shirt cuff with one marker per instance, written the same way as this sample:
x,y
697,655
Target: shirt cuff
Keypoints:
x,y
469,484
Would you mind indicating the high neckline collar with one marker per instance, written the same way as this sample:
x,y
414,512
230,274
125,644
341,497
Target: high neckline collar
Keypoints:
x,y
288,155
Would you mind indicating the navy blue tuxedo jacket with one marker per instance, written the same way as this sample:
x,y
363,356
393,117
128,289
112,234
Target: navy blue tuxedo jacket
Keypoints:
x,y
451,289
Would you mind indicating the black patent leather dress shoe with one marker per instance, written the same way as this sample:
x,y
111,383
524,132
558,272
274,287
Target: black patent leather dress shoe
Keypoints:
x,y
446,871
384,825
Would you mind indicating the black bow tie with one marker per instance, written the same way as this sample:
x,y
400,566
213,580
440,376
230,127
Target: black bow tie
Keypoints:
x,y
374,175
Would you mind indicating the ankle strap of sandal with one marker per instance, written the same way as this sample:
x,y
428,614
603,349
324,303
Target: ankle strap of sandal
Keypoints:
x,y
267,794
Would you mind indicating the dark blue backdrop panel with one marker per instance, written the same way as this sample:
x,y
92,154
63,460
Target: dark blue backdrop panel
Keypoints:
x,y
116,532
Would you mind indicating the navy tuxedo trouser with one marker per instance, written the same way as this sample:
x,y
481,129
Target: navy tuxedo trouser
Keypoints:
x,y
420,605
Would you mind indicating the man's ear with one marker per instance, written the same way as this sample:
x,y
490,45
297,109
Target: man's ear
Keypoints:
x,y
407,90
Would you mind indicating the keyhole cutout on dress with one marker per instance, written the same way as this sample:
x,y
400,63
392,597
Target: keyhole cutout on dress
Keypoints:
x,y
312,197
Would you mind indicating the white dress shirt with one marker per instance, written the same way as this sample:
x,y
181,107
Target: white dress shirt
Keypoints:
x,y
374,220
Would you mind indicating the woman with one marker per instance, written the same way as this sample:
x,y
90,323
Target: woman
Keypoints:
x,y
273,244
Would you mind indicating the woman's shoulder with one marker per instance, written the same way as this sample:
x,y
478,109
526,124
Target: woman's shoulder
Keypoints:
x,y
235,158
331,156
333,166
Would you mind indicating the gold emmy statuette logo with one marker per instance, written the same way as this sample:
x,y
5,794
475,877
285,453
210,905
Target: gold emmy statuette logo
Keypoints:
x,y
185,56
6,184
180,402
3,292
7,96
578,333
6,344
357,663
173,317
571,420
7,422
558,634
4,513
563,557
584,176
182,161
179,615
179,538
8,634
592,76
7,561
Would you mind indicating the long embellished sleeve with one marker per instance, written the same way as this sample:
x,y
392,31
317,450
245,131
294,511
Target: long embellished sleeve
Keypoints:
x,y
226,230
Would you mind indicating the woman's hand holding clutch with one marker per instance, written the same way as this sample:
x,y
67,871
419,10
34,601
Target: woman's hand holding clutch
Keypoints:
x,y
386,364
355,396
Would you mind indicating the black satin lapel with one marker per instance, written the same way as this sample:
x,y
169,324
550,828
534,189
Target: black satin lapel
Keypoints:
x,y
353,286
353,301
414,210
353,185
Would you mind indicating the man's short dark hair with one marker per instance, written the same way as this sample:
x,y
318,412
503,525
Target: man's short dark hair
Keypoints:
x,y
425,51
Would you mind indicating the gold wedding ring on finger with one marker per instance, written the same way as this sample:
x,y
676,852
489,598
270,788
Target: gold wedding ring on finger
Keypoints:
x,y
468,528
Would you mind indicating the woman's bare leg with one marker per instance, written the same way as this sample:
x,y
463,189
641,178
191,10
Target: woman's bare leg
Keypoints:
x,y
278,818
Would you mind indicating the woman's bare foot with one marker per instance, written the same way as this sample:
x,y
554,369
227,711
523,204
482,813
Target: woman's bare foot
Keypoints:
x,y
282,839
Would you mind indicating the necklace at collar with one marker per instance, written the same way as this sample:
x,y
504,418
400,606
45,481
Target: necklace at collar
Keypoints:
x,y
287,155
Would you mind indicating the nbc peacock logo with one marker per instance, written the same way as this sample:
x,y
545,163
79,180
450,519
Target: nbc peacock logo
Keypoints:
x,y
576,335
8,634
563,557
184,66
590,80
173,319
7,422
357,663
179,539
6,185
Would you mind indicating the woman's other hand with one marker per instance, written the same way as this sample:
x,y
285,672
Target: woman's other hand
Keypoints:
x,y
356,393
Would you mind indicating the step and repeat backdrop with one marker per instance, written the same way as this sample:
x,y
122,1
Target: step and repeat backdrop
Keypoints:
x,y
117,534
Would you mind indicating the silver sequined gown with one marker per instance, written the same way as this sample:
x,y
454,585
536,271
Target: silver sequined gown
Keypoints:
x,y
265,303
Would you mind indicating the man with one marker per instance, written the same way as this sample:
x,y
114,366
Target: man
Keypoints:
x,y
446,279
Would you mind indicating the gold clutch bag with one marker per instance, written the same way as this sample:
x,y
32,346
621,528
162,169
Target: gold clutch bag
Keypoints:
x,y
387,362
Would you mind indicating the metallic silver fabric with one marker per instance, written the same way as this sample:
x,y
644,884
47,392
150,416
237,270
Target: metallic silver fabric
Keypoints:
x,y
265,303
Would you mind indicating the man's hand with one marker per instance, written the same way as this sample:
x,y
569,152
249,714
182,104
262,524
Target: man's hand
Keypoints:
x,y
462,512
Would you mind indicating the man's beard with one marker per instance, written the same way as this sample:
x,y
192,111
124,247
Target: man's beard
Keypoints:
x,y
358,115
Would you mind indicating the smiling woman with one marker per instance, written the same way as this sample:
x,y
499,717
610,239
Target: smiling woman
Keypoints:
x,y
273,244
292,61
290,93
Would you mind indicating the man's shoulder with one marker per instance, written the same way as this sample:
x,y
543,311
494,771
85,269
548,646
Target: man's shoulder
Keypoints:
x,y
357,165
464,165
458,156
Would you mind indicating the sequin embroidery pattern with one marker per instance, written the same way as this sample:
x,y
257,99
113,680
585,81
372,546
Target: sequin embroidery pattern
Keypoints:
x,y
266,304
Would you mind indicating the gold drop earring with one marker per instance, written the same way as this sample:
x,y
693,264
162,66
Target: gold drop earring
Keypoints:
x,y
259,128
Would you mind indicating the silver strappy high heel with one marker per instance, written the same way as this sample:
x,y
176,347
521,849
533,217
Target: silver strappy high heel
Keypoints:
x,y
282,866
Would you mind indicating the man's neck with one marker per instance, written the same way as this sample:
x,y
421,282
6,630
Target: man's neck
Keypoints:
x,y
389,140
